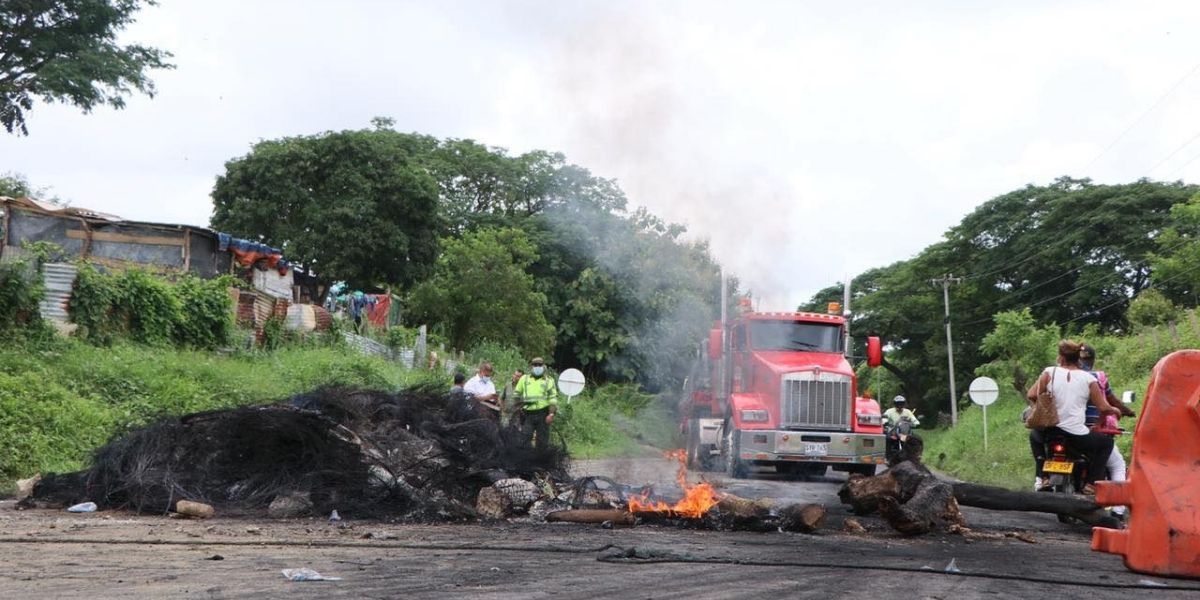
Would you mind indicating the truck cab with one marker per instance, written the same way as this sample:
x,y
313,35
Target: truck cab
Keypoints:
x,y
779,391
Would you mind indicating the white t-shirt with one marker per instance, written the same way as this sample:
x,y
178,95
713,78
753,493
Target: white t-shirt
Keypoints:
x,y
1071,397
476,387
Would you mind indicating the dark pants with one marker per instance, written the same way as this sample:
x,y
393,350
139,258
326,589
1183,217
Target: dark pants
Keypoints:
x,y
533,422
1095,446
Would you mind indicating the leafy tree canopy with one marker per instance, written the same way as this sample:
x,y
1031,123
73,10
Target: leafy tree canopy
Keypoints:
x,y
1072,252
353,205
66,51
480,292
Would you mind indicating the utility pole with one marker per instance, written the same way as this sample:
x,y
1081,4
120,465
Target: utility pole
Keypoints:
x,y
945,282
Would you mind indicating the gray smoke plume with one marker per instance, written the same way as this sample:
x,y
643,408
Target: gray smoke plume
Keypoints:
x,y
635,108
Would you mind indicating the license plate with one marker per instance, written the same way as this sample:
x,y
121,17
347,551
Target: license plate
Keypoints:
x,y
1054,466
816,449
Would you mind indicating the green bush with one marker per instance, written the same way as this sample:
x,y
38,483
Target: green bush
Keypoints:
x,y
20,292
613,419
148,308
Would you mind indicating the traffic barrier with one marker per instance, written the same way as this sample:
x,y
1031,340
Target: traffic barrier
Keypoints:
x,y
1163,488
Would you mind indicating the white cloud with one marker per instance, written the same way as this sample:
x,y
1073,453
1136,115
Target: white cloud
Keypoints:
x,y
806,141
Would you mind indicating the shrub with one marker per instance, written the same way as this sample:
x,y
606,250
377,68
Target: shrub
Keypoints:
x,y
20,292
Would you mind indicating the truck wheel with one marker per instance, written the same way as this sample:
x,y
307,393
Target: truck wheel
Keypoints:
x,y
733,463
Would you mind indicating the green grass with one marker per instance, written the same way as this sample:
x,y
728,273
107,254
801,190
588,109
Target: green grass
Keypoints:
x,y
616,420
61,399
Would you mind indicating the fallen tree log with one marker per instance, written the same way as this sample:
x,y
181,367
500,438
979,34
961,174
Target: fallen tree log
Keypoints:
x,y
1082,508
913,500
588,515
745,508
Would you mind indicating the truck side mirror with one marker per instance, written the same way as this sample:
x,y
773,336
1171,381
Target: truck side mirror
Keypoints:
x,y
874,352
714,344
1128,397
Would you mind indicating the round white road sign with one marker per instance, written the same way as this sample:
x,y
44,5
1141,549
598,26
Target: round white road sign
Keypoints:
x,y
983,391
570,382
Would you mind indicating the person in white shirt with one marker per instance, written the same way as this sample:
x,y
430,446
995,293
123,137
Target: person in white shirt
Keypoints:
x,y
1073,389
483,390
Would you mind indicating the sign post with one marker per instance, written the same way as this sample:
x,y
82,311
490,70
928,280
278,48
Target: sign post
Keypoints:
x,y
984,391
570,383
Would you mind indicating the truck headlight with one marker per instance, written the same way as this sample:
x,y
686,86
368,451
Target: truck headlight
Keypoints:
x,y
870,419
755,416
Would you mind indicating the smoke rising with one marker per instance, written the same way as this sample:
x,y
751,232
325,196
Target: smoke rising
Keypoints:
x,y
643,108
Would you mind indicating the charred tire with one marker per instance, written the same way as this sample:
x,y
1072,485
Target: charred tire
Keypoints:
x,y
733,463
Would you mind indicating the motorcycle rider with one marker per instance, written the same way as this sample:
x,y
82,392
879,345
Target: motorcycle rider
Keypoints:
x,y
1116,462
1072,388
892,418
898,411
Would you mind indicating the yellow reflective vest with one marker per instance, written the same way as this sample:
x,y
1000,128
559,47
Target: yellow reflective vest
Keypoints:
x,y
537,393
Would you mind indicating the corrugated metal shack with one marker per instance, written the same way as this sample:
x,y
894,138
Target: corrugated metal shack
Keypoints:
x,y
110,241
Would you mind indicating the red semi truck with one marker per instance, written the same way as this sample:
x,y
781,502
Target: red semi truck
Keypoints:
x,y
776,389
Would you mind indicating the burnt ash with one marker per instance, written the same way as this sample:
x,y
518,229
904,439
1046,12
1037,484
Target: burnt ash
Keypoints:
x,y
413,455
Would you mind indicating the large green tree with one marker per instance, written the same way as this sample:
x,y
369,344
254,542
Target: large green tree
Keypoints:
x,y
66,51
354,206
480,292
1072,252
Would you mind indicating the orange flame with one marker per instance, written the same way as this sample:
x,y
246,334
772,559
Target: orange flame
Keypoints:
x,y
697,499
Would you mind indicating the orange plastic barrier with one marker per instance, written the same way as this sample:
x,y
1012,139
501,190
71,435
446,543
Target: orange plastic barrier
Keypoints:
x,y
1163,489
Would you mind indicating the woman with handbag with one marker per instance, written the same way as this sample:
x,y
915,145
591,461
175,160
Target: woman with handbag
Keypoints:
x,y
1060,397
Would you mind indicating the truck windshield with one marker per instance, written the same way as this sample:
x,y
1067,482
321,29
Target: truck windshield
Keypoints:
x,y
795,335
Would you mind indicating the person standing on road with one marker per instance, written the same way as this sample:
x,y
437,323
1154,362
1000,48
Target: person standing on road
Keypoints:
x,y
1072,388
483,390
538,396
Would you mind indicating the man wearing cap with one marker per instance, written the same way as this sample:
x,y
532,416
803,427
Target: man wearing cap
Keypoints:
x,y
538,398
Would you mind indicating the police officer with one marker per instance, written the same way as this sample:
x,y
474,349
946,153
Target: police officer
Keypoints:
x,y
538,398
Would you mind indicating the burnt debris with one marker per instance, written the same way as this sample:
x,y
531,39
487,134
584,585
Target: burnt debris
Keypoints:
x,y
416,454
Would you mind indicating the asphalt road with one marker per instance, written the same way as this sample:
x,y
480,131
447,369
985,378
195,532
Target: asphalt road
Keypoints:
x,y
53,554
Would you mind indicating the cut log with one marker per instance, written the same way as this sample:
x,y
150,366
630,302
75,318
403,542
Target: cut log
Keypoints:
x,y
804,518
197,510
985,496
863,493
913,500
744,507
584,515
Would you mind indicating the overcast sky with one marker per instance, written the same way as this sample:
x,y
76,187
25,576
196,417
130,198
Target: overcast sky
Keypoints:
x,y
806,141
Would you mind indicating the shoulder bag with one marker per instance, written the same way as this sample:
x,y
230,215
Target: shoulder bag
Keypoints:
x,y
1044,414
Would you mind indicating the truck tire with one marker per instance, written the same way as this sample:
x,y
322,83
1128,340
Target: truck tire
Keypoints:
x,y
733,463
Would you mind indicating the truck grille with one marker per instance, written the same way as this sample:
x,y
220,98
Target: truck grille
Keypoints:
x,y
816,404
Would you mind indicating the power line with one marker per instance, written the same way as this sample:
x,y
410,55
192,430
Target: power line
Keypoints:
x,y
1173,153
1143,116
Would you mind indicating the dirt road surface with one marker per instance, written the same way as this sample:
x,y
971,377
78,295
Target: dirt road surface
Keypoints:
x,y
54,554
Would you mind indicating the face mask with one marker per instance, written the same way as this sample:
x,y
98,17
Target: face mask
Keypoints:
x,y
537,371
483,379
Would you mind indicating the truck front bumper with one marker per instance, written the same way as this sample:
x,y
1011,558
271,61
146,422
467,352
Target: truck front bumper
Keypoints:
x,y
831,447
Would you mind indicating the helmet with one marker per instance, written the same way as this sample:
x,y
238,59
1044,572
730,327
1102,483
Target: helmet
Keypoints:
x,y
899,400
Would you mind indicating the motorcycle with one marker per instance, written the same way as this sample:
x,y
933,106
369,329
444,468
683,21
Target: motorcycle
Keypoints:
x,y
1065,470
898,436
